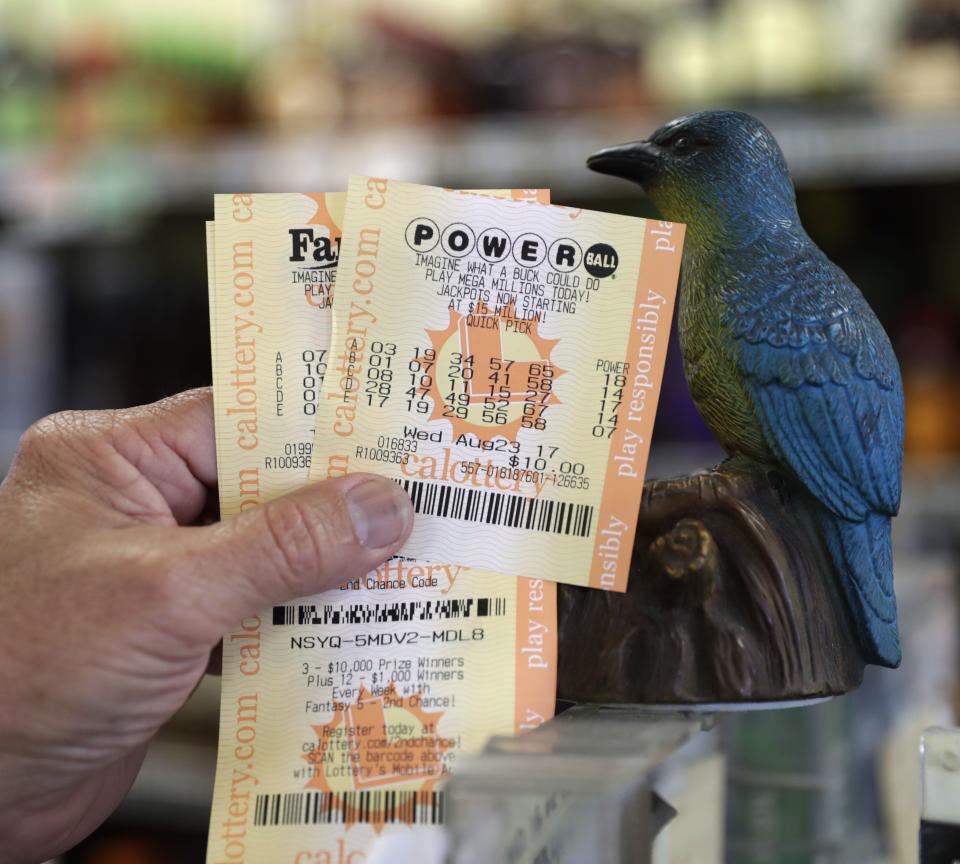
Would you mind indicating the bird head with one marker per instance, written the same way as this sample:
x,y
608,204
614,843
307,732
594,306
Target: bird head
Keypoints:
x,y
720,172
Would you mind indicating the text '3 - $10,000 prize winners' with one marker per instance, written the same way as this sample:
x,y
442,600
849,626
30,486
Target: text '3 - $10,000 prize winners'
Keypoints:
x,y
341,713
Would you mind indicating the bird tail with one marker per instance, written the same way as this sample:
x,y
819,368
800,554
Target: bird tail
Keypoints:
x,y
863,557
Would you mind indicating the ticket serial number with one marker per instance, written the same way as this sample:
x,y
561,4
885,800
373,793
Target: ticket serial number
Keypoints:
x,y
386,639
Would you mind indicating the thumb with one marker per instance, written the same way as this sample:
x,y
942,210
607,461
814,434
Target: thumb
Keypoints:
x,y
305,542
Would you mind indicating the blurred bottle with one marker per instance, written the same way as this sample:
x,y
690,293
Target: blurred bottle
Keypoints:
x,y
940,814
27,95
296,89
787,785
928,349
923,73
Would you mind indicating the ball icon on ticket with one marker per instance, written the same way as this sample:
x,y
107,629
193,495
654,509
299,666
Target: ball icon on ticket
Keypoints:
x,y
422,235
529,250
601,260
565,255
457,240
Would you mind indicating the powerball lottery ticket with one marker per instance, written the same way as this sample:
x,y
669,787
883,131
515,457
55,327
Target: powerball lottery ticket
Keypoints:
x,y
341,713
526,346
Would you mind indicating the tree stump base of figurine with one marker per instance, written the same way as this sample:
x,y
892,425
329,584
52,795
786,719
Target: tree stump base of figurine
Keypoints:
x,y
732,598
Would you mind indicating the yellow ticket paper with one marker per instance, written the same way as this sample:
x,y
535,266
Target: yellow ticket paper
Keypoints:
x,y
271,337
527,346
341,713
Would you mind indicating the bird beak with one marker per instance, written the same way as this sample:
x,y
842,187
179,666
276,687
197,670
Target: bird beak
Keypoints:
x,y
635,161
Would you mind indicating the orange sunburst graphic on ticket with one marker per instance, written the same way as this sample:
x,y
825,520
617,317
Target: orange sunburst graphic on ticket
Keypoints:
x,y
490,373
323,216
380,757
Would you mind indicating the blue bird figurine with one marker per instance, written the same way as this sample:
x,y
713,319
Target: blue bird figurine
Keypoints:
x,y
783,356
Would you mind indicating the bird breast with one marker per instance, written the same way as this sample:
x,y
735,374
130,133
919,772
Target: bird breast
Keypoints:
x,y
711,372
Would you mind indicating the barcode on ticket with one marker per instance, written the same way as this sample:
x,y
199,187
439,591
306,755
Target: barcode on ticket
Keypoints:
x,y
345,808
499,508
373,613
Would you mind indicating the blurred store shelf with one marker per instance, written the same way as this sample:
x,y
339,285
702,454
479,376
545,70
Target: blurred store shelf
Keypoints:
x,y
54,191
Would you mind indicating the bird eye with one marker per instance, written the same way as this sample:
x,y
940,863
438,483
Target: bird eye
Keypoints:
x,y
682,144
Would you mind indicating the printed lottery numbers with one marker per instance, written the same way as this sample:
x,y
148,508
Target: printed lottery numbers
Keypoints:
x,y
421,379
540,377
611,398
314,369
458,377
379,380
496,402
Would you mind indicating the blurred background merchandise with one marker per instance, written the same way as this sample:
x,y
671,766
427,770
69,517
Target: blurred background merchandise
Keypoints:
x,y
120,118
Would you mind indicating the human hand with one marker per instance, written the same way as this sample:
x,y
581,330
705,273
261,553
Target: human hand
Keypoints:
x,y
109,608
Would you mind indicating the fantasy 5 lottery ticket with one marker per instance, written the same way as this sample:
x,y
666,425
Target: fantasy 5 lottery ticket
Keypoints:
x,y
527,346
341,713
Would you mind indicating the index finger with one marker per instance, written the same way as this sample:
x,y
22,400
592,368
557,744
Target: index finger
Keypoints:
x,y
172,444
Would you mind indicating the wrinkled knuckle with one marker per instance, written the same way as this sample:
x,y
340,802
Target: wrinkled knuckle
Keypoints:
x,y
299,540
62,428
187,400
41,433
42,444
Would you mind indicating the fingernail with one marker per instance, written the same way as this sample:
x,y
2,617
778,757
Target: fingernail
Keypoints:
x,y
379,510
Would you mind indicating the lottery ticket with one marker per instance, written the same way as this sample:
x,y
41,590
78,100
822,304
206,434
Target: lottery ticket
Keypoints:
x,y
341,713
525,345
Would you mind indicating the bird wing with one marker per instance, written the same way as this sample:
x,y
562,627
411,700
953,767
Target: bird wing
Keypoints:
x,y
823,379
